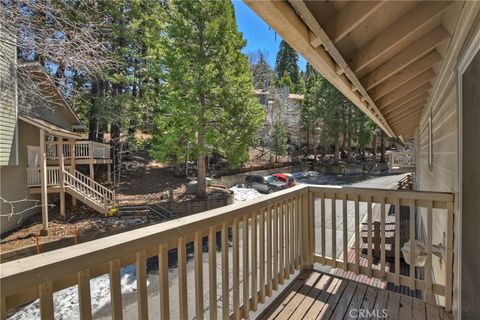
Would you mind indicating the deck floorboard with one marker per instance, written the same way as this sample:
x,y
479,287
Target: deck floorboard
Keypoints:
x,y
318,295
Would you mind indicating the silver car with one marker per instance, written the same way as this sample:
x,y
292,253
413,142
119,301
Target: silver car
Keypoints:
x,y
267,184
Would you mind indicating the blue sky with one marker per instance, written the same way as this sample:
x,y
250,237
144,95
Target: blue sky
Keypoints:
x,y
258,34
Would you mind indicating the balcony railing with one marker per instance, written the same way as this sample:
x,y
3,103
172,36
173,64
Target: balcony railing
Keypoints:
x,y
261,244
83,150
53,176
402,160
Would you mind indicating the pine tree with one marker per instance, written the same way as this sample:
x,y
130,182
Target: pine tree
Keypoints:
x,y
286,67
209,98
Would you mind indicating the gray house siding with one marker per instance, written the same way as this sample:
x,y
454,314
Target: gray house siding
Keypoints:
x,y
13,184
8,106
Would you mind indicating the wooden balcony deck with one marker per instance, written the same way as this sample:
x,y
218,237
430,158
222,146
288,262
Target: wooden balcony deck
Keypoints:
x,y
318,295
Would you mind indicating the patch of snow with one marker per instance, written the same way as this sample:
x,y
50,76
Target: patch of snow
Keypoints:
x,y
65,302
245,194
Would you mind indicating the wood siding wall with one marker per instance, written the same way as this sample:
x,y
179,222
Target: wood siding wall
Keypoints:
x,y
14,180
443,175
8,108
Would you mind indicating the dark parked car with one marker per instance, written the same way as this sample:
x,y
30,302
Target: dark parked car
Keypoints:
x,y
267,184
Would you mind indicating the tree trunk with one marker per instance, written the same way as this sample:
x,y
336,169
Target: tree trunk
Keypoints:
x,y
374,148
382,147
92,117
336,156
201,170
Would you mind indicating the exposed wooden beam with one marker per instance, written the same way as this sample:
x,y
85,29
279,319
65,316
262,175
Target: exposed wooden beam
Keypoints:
x,y
406,130
411,118
419,80
314,40
399,114
329,49
397,33
422,97
407,98
406,74
405,58
349,17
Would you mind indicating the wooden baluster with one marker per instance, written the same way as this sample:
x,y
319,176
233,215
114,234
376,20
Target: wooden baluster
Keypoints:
x,y
198,252
397,241
322,227
449,257
286,267
275,245
225,273
254,262
304,234
297,246
334,229
45,293
262,255
84,297
291,241
246,294
142,295
236,270
3,309
182,278
198,275
428,266
269,250
163,277
281,215
212,272
382,241
310,223
357,235
369,230
345,233
412,244
115,290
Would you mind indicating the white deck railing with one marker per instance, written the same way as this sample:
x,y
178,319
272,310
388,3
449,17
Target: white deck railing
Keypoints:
x,y
83,150
271,238
401,160
53,176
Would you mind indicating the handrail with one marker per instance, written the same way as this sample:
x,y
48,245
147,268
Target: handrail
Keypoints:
x,y
34,176
95,185
82,149
72,180
289,232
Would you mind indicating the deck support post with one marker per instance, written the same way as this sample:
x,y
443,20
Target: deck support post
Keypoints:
x,y
109,172
43,180
61,168
72,164
90,162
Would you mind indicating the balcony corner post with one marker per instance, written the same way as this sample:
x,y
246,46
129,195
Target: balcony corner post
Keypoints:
x,y
43,181
61,164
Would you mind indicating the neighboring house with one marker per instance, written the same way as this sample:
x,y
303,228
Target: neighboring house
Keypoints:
x,y
36,123
281,105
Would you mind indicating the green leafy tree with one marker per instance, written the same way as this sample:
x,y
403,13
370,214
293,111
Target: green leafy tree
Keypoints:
x,y
286,68
208,87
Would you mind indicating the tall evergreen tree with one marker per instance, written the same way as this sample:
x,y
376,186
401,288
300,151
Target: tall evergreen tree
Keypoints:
x,y
208,87
286,67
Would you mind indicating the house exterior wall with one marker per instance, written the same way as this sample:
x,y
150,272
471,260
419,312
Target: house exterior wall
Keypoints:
x,y
8,106
443,173
13,182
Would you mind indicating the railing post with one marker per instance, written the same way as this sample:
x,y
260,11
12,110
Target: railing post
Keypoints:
x,y
61,168
311,228
90,161
43,180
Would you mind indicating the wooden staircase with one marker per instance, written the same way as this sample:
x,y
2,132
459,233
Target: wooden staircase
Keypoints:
x,y
88,191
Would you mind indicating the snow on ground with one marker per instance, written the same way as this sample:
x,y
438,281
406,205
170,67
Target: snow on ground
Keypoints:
x,y
244,194
66,301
